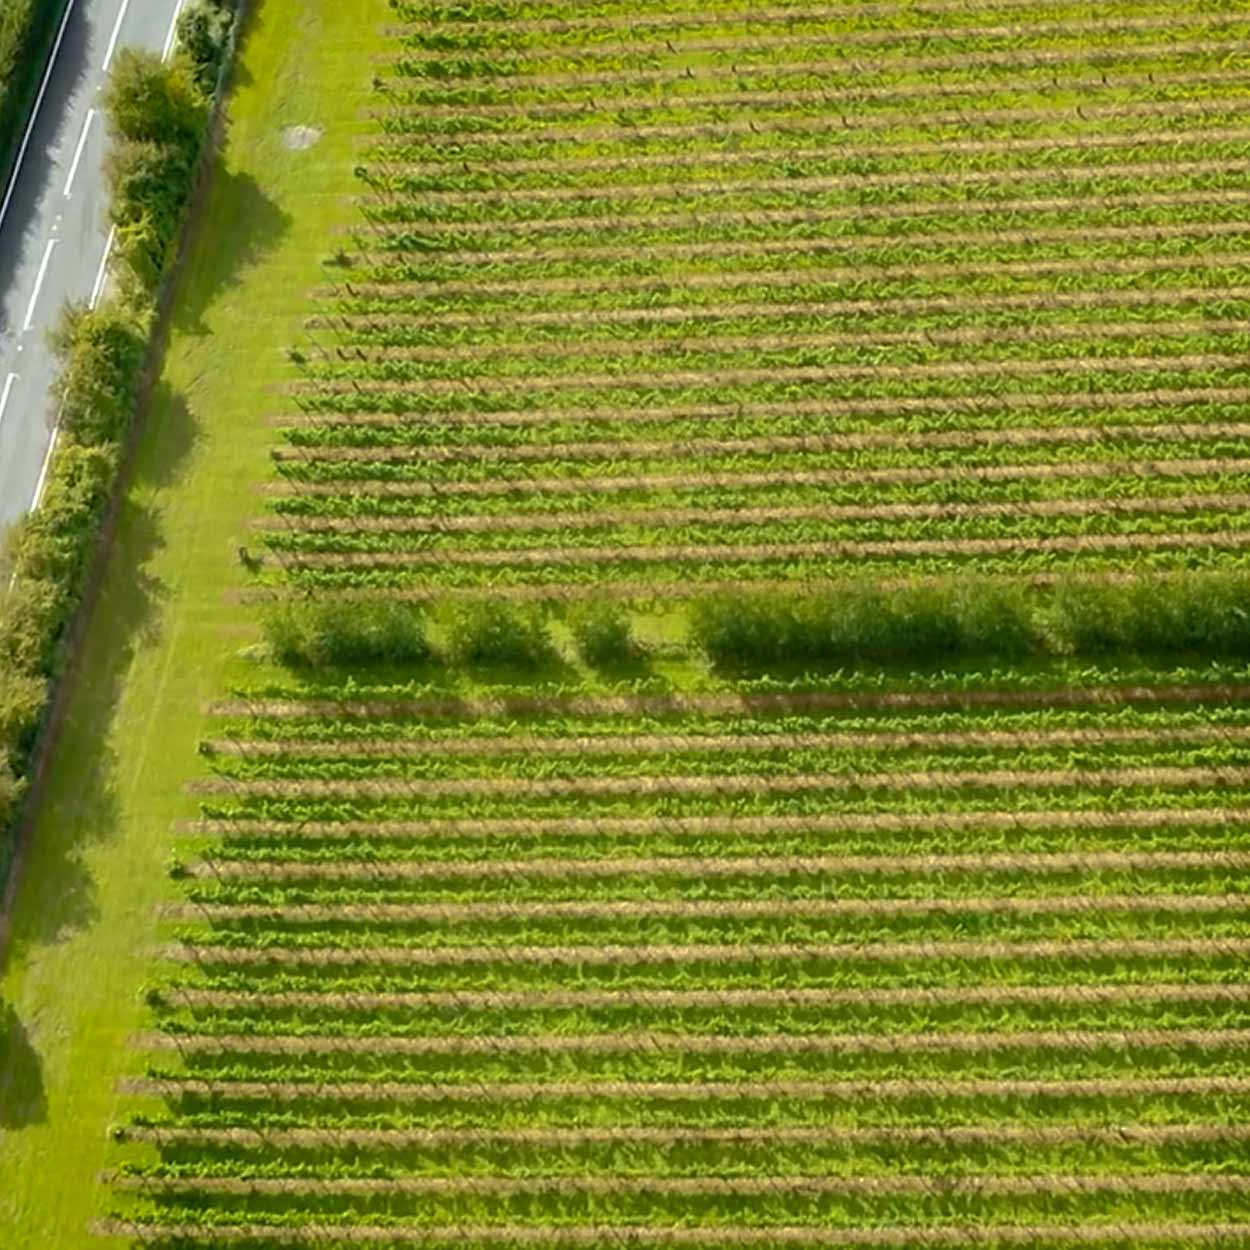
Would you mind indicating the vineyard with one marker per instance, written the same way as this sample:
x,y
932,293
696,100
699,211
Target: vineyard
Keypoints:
x,y
511,912
781,293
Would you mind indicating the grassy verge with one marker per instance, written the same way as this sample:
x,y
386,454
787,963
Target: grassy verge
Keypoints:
x,y
163,633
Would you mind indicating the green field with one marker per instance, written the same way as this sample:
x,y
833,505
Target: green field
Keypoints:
x,y
620,305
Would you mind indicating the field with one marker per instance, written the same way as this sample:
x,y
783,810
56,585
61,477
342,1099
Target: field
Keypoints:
x,y
780,294
631,304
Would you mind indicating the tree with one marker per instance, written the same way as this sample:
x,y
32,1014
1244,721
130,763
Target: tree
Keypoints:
x,y
149,101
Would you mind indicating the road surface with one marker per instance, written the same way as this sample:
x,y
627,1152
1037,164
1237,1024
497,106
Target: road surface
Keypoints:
x,y
54,234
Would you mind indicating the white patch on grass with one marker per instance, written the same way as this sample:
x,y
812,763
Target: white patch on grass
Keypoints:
x,y
300,138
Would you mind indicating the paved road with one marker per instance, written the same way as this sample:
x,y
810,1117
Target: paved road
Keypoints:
x,y
54,237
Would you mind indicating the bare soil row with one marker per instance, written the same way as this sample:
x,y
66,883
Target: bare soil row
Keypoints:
x,y
753,42
610,955
528,1091
955,63
577,166
650,1041
953,1136
733,825
707,553
731,702
965,405
774,444
1111,1233
1205,1183
755,866
696,480
834,94
1076,994
690,188
1226,106
967,336
581,745
563,522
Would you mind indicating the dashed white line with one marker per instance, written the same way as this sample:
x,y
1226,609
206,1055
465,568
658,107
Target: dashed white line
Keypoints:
x,y
4,396
34,295
43,472
82,143
117,30
103,270
172,37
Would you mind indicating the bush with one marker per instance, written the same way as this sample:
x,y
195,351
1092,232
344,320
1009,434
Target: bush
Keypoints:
x,y
31,624
962,619
22,701
1195,612
54,544
101,355
154,101
853,624
203,33
490,631
603,635
158,118
314,633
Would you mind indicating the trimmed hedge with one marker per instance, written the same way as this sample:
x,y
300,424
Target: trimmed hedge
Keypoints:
x,y
315,633
920,623
158,118
604,635
961,619
492,632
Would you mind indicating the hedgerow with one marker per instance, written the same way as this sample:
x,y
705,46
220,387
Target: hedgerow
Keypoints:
x,y
962,618
158,118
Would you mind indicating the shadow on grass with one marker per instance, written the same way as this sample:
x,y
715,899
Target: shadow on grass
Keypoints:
x,y
22,1098
629,669
170,422
74,803
253,225
77,807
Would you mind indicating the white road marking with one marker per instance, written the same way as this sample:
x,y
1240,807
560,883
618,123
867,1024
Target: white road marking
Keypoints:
x,y
34,113
172,37
102,272
34,295
4,397
47,460
117,30
82,143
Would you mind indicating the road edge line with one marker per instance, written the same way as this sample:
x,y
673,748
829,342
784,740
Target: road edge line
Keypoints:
x,y
34,112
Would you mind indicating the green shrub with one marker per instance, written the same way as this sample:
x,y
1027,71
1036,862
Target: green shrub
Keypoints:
x,y
158,118
22,701
149,184
154,101
869,623
314,633
203,32
603,635
1207,613
101,355
31,623
967,618
55,543
490,631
